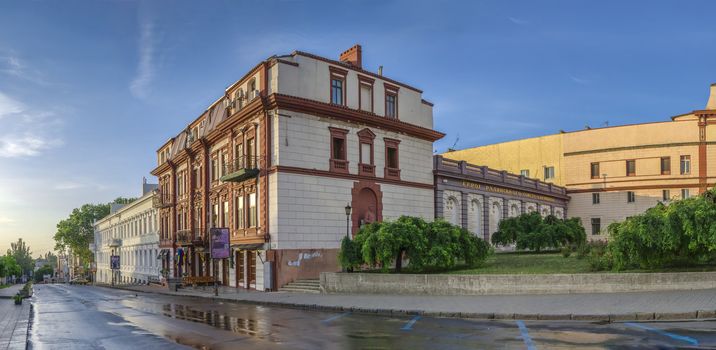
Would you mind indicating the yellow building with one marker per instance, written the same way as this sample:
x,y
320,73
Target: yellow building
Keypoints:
x,y
614,172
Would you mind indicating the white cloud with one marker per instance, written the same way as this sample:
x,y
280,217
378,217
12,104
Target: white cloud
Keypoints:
x,y
140,85
11,64
25,132
6,220
518,21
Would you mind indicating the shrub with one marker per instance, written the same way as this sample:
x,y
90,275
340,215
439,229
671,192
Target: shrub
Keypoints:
x,y
566,252
531,231
427,246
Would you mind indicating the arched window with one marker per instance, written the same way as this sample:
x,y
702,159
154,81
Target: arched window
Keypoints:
x,y
451,211
475,218
514,210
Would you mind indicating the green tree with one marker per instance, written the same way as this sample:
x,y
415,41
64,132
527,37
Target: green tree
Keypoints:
x,y
77,231
9,267
531,231
41,272
20,251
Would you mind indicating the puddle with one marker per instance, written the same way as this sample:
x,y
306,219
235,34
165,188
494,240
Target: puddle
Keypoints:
x,y
218,320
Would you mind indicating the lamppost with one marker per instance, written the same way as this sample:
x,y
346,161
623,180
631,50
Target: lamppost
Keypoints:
x,y
348,216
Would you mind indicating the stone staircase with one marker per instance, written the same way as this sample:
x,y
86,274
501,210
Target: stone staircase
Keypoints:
x,y
302,286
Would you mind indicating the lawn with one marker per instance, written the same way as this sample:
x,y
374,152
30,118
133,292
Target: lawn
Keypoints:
x,y
529,263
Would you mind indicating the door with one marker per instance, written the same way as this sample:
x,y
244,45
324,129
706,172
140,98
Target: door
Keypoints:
x,y
225,272
239,269
251,268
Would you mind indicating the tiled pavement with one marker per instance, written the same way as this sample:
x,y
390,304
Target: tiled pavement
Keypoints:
x,y
13,324
9,292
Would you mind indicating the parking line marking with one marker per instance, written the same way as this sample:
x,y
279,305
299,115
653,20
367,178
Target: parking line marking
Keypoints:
x,y
526,335
683,338
332,318
409,326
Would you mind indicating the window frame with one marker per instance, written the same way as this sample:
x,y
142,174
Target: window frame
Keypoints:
x,y
336,73
685,191
633,162
369,82
631,197
546,168
685,159
596,198
598,225
392,172
392,91
525,173
665,170
665,195
592,168
335,164
365,137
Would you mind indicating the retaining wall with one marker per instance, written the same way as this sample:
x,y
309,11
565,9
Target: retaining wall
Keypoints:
x,y
376,283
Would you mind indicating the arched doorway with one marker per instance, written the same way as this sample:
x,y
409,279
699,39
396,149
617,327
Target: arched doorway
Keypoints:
x,y
367,203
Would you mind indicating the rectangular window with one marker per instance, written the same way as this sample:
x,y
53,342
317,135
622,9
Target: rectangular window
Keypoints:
x,y
339,150
239,155
250,149
685,165
631,167
392,159
337,90
595,170
684,193
239,208
214,170
525,172
224,163
215,215
252,210
365,152
665,165
225,217
665,195
596,226
391,105
548,172
595,198
366,97
631,197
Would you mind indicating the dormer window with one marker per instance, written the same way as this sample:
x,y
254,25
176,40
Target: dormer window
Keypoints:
x,y
338,86
391,101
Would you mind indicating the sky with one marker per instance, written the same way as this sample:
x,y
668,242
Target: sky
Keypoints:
x,y
90,89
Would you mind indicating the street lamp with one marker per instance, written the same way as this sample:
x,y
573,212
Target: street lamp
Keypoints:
x,y
348,215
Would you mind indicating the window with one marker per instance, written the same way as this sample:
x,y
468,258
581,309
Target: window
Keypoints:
x,y
214,170
225,217
252,210
665,165
239,153
685,165
684,193
595,170
250,159
224,162
338,161
391,105
631,167
215,215
665,195
392,159
525,172
365,154
595,198
338,85
365,94
239,208
596,226
252,88
631,197
548,172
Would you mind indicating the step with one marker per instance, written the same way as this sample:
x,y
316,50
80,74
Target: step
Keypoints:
x,y
302,284
299,290
307,281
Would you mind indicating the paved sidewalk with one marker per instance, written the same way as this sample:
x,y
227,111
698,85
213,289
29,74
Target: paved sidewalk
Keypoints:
x,y
14,320
9,292
671,305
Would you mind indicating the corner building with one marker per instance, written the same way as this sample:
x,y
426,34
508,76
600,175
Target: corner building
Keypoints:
x,y
612,173
278,158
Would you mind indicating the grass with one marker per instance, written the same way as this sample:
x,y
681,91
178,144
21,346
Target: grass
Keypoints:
x,y
5,285
528,263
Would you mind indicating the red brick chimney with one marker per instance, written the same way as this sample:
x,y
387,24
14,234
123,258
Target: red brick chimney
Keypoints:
x,y
353,56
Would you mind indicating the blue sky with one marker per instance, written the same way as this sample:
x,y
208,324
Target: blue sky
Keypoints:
x,y
90,89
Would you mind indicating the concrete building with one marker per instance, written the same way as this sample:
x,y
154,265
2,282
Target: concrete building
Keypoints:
x,y
478,198
278,158
130,231
614,172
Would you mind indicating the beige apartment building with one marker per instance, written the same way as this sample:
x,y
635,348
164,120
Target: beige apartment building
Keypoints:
x,y
615,172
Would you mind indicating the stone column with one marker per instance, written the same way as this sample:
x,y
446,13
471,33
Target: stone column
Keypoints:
x,y
463,210
486,217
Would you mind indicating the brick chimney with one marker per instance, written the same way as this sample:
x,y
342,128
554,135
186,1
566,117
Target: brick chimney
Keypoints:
x,y
712,98
353,56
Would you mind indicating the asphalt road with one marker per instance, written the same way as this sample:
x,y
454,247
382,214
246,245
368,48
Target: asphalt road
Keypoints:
x,y
83,317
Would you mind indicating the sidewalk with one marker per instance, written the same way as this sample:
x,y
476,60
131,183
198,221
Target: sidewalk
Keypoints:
x,y
10,292
14,321
670,305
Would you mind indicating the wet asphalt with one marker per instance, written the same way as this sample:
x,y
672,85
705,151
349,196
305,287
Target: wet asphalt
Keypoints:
x,y
85,317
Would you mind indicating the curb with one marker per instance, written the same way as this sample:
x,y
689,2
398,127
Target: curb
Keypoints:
x,y
611,318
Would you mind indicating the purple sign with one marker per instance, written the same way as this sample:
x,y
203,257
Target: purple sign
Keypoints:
x,y
219,243
114,262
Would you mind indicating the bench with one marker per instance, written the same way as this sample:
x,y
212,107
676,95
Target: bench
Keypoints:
x,y
195,280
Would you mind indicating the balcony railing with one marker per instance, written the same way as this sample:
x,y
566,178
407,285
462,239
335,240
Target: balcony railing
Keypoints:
x,y
339,165
392,173
184,237
366,169
166,243
161,200
240,169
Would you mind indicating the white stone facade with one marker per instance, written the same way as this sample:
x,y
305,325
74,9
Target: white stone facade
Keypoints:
x,y
132,233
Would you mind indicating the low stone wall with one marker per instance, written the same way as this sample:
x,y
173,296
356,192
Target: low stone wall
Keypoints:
x,y
376,283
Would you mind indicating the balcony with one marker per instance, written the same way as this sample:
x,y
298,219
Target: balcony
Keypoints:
x,y
166,243
240,169
161,200
366,169
392,173
184,237
115,242
339,166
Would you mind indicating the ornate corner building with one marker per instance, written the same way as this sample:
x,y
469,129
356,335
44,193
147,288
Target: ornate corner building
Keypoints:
x,y
280,157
